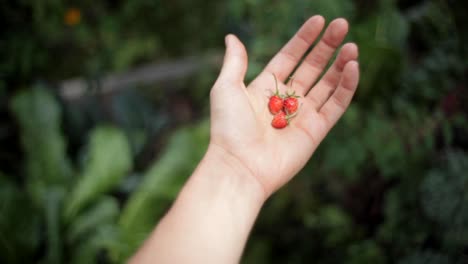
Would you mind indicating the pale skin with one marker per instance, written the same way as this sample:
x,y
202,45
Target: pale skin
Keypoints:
x,y
247,159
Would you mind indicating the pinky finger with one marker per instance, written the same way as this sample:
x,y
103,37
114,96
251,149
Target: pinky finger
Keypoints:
x,y
336,105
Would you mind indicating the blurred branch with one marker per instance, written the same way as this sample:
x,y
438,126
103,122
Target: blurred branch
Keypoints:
x,y
147,74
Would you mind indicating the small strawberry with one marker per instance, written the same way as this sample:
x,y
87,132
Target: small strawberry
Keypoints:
x,y
290,105
280,120
275,104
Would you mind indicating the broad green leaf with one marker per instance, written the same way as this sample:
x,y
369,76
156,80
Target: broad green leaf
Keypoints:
x,y
161,184
109,161
87,252
39,117
104,212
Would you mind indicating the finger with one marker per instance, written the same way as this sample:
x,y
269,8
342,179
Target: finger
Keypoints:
x,y
316,61
284,62
335,106
327,85
235,61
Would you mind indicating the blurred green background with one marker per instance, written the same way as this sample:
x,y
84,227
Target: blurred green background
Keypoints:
x,y
89,165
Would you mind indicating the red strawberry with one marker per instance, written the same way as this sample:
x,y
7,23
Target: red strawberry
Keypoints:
x,y
290,105
275,104
280,120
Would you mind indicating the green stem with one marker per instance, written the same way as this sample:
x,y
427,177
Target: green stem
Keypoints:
x,y
276,84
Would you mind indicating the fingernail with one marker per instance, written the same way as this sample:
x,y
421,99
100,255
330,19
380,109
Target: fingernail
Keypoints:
x,y
226,39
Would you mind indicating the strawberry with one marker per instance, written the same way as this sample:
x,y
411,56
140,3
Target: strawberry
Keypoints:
x,y
275,104
283,107
290,105
280,120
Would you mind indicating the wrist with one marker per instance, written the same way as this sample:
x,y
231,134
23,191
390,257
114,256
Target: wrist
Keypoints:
x,y
212,216
233,170
219,204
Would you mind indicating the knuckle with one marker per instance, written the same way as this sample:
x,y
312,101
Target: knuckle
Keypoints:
x,y
339,101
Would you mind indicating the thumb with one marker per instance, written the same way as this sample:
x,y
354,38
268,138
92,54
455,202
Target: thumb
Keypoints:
x,y
235,61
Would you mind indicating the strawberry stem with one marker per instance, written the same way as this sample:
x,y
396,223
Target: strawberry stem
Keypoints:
x,y
289,117
276,84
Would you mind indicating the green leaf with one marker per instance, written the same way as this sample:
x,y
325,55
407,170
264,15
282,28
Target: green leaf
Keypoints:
x,y
109,161
53,206
38,115
104,212
104,237
161,184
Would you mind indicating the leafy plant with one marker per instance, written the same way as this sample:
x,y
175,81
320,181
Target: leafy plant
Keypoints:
x,y
59,202
85,181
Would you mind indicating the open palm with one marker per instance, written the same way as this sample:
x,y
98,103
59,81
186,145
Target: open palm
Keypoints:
x,y
240,119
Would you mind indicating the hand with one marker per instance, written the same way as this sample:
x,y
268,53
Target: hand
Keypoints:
x,y
241,130
247,158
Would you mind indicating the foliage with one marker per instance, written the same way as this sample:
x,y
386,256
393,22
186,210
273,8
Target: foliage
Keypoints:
x,y
56,199
85,181
103,171
20,231
47,166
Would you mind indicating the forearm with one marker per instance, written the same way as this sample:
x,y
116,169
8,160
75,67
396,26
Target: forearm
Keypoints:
x,y
211,218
